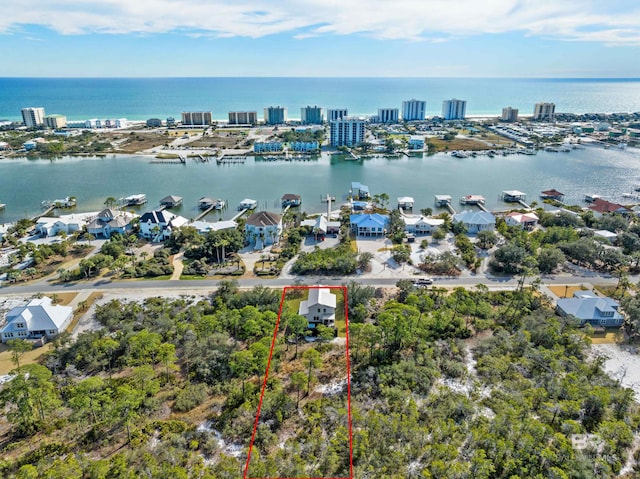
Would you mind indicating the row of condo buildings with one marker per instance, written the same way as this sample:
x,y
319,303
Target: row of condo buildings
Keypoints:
x,y
412,110
35,117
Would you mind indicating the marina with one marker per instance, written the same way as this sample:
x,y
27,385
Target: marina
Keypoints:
x,y
595,171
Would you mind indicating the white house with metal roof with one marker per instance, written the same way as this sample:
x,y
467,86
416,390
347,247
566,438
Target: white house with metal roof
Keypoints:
x,y
421,225
39,318
319,308
475,221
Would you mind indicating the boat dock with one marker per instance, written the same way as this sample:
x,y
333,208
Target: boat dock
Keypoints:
x,y
223,160
515,196
444,201
44,213
168,161
202,159
240,213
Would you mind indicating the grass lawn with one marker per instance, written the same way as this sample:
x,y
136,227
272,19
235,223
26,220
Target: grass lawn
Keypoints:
x,y
611,336
565,291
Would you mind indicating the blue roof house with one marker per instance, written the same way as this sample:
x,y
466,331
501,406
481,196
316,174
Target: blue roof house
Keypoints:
x,y
589,308
369,224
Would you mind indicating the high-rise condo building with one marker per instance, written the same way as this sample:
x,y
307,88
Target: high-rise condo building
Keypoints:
x,y
55,121
454,109
311,115
544,111
347,131
33,117
275,115
387,115
509,114
196,118
243,117
336,113
413,110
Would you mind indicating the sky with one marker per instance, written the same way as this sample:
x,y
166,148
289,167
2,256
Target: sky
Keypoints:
x,y
320,38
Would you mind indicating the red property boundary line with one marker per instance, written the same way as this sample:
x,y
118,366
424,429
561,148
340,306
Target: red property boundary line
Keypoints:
x,y
266,377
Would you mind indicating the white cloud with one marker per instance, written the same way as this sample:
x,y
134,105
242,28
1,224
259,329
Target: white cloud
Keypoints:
x,y
611,22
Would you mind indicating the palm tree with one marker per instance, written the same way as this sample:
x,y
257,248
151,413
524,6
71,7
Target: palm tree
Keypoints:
x,y
110,202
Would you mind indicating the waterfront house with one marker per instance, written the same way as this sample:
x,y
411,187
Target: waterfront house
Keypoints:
x,y
320,226
204,227
359,191
602,207
475,221
421,225
158,225
589,308
416,143
171,201
304,146
262,229
68,224
109,221
319,308
373,224
267,146
291,200
38,319
522,220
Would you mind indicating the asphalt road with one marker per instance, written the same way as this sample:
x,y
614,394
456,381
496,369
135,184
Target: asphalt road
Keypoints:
x,y
107,285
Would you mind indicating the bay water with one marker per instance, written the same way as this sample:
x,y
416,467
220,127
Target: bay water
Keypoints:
x,y
25,183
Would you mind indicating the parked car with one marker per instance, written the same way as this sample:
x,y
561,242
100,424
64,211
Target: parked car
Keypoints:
x,y
422,281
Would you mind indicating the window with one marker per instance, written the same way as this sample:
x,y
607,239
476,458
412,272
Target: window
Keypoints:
x,y
316,318
8,335
603,322
53,331
19,325
324,310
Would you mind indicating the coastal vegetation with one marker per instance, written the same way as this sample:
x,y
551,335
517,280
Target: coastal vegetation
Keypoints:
x,y
449,384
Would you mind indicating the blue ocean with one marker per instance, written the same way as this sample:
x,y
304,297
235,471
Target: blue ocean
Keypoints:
x,y
142,98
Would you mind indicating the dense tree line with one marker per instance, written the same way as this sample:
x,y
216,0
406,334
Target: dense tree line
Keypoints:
x,y
447,384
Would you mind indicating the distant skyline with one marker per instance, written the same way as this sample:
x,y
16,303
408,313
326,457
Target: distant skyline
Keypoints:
x,y
320,38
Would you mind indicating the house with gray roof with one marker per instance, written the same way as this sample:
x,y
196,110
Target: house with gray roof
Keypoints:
x,y
262,229
475,221
110,221
319,308
38,319
592,309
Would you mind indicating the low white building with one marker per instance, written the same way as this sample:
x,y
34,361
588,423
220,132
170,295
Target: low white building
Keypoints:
x,y
522,220
319,308
204,227
38,319
68,224
421,225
